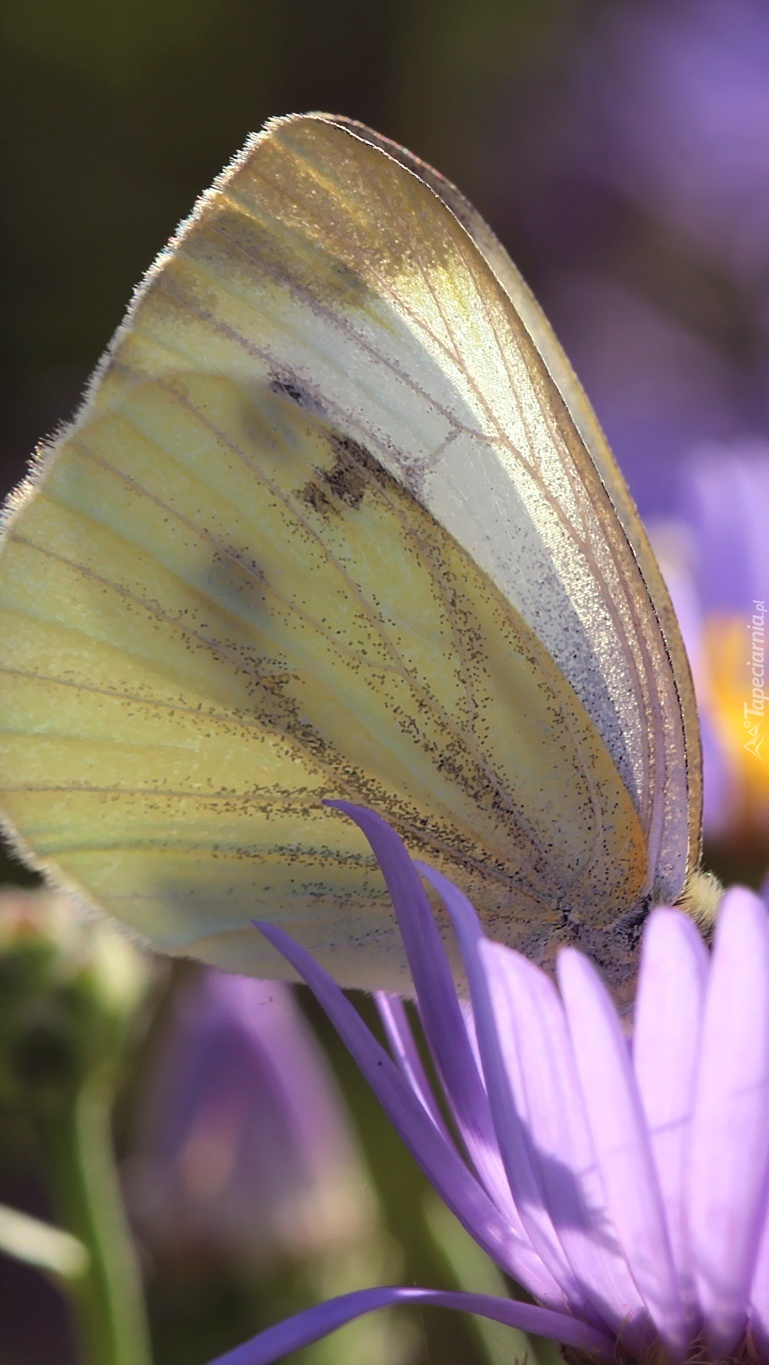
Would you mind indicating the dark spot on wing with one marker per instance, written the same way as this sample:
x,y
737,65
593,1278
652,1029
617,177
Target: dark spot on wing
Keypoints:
x,y
287,385
347,476
315,498
346,480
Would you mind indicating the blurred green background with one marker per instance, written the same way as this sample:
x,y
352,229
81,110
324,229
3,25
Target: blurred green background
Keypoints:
x,y
116,116
556,118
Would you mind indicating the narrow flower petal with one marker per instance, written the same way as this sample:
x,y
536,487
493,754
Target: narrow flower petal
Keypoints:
x,y
301,1330
666,1048
441,1014
616,1121
512,1137
404,1049
456,1185
759,1294
532,1024
729,1161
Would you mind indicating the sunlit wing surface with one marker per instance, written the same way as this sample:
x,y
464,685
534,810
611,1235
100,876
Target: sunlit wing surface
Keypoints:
x,y
336,521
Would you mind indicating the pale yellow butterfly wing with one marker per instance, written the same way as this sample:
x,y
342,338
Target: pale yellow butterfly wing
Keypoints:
x,y
677,790
325,527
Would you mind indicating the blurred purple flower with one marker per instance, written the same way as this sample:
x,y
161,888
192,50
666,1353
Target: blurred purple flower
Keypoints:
x,y
657,388
245,1145
724,494
639,179
677,102
624,1185
715,557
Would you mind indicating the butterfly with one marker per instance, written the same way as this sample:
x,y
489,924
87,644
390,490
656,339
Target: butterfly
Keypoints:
x,y
335,519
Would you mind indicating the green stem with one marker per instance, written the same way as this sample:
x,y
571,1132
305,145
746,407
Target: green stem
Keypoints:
x,y
107,1300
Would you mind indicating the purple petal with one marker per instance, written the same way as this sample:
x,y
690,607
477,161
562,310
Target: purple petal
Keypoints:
x,y
438,1003
617,1125
392,1012
666,1048
317,1322
727,499
455,1184
729,1160
534,1038
513,1139
759,1294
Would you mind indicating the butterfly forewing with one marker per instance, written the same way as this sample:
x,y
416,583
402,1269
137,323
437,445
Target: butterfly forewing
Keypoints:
x,y
673,795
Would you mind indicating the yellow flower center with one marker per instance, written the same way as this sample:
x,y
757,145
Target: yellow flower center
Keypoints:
x,y
736,698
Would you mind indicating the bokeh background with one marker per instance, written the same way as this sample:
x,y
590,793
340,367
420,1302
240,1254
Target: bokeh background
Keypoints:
x,y
620,149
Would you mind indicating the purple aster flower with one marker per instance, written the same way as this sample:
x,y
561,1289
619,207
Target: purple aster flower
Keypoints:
x,y
623,1182
245,1145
